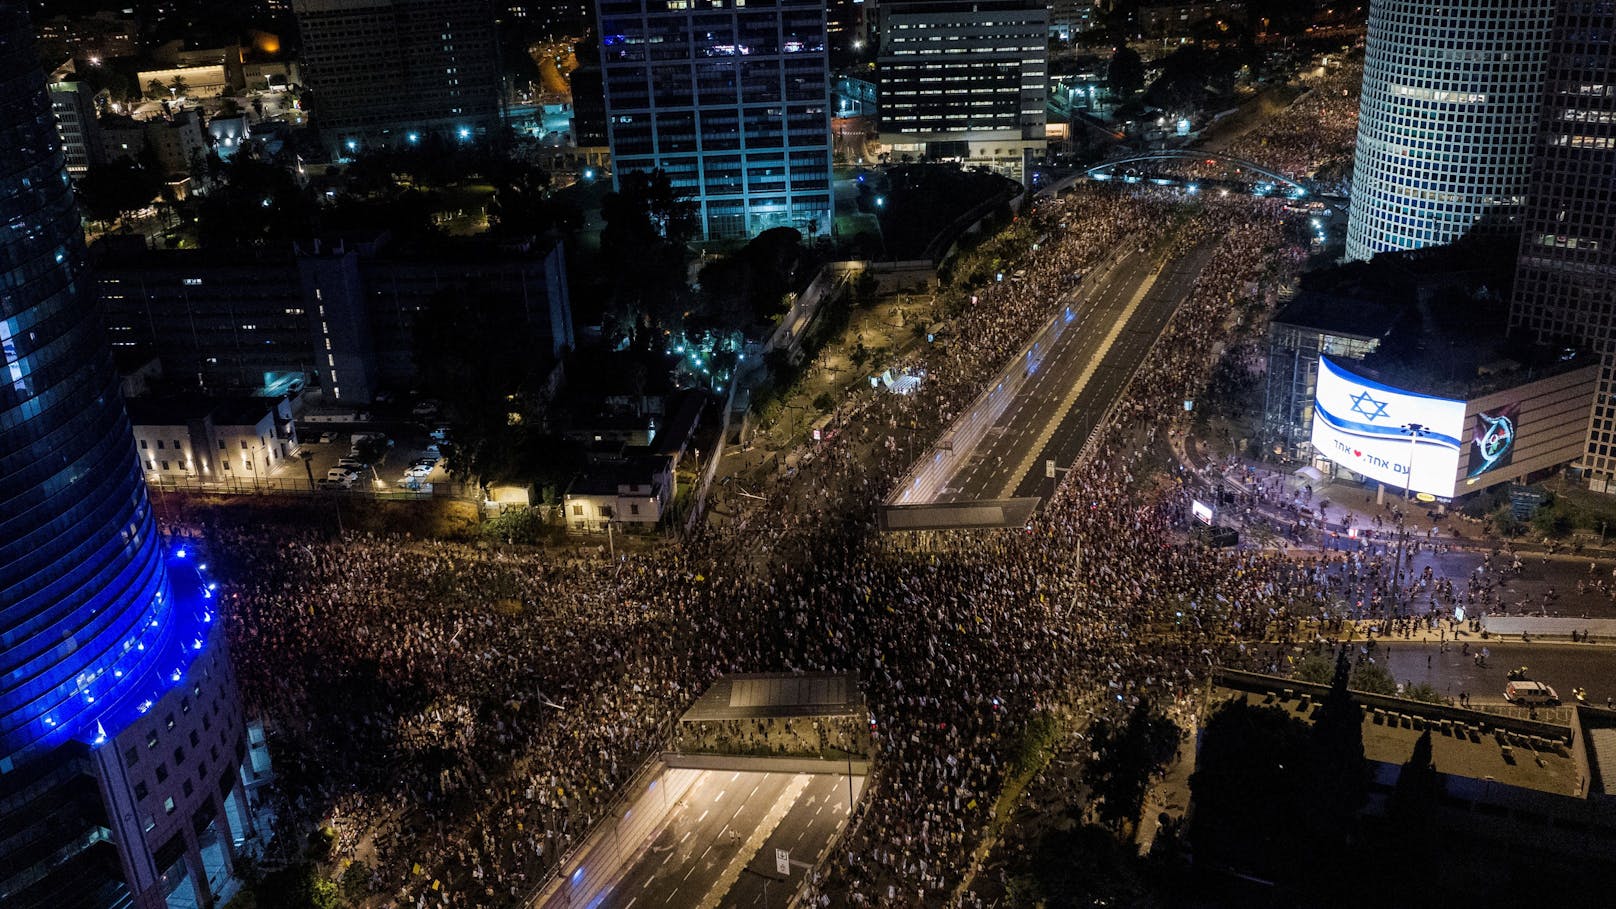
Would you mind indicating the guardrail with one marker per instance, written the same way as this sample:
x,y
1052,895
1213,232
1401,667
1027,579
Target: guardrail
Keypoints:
x,y
807,889
565,872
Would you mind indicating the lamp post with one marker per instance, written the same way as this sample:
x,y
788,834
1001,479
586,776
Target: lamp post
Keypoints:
x,y
1415,431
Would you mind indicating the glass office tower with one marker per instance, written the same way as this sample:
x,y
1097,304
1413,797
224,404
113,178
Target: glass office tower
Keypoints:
x,y
1565,285
731,101
1446,120
97,644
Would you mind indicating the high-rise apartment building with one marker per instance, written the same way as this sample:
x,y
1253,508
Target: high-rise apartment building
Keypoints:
x,y
965,80
121,742
1446,121
732,101
73,103
1565,285
390,71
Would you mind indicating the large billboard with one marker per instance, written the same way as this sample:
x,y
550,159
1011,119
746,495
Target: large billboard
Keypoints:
x,y
1492,439
1381,432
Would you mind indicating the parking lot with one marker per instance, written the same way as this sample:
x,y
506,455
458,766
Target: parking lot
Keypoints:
x,y
333,442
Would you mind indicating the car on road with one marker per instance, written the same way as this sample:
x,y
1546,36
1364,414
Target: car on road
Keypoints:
x,y
1531,694
353,464
424,462
327,437
426,410
417,471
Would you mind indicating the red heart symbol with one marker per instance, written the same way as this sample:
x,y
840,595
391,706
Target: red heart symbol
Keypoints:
x,y
1356,453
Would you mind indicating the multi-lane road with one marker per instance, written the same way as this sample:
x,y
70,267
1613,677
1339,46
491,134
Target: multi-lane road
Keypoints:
x,y
1076,381
718,846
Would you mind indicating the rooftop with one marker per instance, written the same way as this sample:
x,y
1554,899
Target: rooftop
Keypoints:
x,y
1441,316
767,694
179,410
1469,743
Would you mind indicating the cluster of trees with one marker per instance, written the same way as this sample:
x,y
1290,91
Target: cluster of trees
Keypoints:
x,y
475,357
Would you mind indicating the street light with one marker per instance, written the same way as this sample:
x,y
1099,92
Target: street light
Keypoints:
x,y
1415,432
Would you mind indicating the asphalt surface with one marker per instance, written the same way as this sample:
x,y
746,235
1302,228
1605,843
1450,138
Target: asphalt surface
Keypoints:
x,y
731,821
1563,666
1055,411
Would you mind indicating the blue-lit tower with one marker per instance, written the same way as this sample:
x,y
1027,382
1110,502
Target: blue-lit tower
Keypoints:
x,y
102,633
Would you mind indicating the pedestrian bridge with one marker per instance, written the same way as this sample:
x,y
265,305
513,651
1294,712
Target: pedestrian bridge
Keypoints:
x,y
1109,169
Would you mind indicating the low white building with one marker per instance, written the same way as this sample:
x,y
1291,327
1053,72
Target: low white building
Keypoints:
x,y
208,440
633,494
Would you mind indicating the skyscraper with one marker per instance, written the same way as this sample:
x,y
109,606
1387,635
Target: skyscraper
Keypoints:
x,y
389,71
1446,121
1565,285
120,739
732,101
965,80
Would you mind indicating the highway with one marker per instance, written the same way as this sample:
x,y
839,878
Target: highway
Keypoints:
x,y
729,822
1078,379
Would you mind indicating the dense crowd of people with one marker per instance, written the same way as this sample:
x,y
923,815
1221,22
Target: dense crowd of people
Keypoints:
x,y
461,714
1314,135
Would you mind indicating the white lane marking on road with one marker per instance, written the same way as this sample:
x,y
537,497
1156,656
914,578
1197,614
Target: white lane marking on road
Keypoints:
x,y
760,835
719,795
703,815
1037,448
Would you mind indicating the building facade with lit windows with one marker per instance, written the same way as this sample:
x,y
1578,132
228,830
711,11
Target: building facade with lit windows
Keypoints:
x,y
1446,120
391,71
732,101
965,80
121,740
338,311
1565,284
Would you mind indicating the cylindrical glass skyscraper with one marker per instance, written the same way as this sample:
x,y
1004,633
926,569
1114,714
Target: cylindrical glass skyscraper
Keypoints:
x,y
81,572
1446,120
121,742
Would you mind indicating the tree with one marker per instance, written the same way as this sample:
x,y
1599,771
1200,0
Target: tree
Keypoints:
x,y
257,203
1126,73
473,354
156,89
177,86
109,190
647,226
520,207
298,887
1368,677
750,286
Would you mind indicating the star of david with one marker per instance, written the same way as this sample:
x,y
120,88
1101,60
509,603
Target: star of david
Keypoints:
x,y
1369,407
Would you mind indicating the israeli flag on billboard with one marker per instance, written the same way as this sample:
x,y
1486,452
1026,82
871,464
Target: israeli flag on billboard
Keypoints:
x,y
1379,432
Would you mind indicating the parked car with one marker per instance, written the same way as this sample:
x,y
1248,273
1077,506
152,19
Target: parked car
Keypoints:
x,y
341,477
425,409
327,437
417,470
353,464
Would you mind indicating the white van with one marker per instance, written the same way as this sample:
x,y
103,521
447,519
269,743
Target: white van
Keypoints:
x,y
1531,694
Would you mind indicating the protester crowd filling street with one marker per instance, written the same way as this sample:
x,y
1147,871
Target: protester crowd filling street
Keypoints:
x,y
460,714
